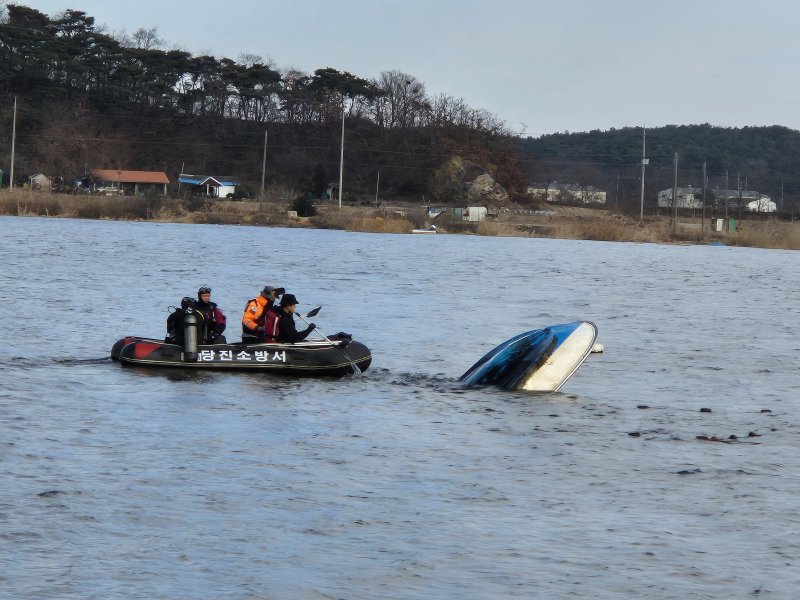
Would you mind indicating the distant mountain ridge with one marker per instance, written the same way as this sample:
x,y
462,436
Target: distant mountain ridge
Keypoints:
x,y
755,158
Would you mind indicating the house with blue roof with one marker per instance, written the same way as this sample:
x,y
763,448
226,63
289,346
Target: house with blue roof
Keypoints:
x,y
213,186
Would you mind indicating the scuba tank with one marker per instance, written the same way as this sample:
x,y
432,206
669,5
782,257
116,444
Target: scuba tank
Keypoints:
x,y
191,326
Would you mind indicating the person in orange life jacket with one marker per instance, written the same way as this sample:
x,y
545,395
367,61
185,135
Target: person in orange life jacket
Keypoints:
x,y
256,312
280,322
214,321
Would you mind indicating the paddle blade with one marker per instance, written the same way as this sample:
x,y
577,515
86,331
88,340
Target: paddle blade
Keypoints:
x,y
314,312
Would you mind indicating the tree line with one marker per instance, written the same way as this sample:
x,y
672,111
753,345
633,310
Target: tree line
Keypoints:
x,y
99,99
90,98
762,159
68,53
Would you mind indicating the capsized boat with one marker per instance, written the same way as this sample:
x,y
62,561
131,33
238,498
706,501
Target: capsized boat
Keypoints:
x,y
541,360
314,357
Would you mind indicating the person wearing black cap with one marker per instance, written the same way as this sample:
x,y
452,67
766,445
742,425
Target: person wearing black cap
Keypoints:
x,y
280,322
213,320
256,311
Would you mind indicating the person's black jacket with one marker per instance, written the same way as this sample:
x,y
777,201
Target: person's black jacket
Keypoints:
x,y
213,323
287,331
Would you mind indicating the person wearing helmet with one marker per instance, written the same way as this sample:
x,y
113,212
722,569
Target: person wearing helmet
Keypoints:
x,y
214,321
256,311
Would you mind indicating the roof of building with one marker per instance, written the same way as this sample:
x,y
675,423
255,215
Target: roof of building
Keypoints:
x,y
732,194
207,179
566,187
129,176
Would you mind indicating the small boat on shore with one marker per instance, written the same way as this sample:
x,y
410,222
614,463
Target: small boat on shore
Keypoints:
x,y
431,229
317,357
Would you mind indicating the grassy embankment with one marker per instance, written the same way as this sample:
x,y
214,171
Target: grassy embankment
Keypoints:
x,y
566,223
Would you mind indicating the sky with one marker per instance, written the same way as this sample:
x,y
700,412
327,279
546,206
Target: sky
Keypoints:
x,y
540,66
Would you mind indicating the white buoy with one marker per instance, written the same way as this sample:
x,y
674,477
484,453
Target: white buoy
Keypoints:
x,y
597,349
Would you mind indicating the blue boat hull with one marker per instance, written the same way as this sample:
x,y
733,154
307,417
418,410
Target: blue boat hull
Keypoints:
x,y
541,360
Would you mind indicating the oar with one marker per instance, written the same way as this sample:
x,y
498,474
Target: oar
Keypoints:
x,y
356,370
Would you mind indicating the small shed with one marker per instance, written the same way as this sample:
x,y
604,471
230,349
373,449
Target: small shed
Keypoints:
x,y
40,182
475,213
213,186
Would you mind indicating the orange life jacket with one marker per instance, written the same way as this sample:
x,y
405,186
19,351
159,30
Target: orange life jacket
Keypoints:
x,y
254,314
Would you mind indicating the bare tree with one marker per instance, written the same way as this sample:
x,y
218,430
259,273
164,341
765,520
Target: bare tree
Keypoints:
x,y
249,60
403,103
147,39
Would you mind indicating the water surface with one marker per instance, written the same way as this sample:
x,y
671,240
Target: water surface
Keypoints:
x,y
129,483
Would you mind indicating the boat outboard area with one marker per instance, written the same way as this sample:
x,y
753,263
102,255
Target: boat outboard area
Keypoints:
x,y
335,356
541,360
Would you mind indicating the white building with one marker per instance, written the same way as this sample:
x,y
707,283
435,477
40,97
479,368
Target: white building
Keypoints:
x,y
763,205
567,193
40,182
475,213
692,197
213,186
688,197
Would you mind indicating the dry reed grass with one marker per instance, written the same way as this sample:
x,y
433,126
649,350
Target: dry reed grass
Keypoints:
x,y
767,234
354,219
613,230
492,228
762,234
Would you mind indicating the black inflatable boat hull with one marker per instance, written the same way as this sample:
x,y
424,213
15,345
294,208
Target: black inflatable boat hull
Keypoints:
x,y
301,358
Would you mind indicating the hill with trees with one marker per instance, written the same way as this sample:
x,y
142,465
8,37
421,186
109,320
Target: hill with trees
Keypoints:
x,y
91,99
762,159
88,98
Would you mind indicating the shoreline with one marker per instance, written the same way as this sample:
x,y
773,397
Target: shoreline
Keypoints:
x,y
557,222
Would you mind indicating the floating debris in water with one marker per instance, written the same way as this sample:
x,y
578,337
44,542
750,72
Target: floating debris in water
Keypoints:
x,y
689,471
712,438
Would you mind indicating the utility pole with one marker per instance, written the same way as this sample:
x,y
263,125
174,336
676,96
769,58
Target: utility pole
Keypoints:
x,y
263,175
644,163
616,193
341,160
13,141
377,185
703,217
675,196
781,194
726,196
739,189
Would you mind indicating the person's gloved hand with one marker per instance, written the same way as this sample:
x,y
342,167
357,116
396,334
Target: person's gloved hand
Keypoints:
x,y
260,329
311,326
